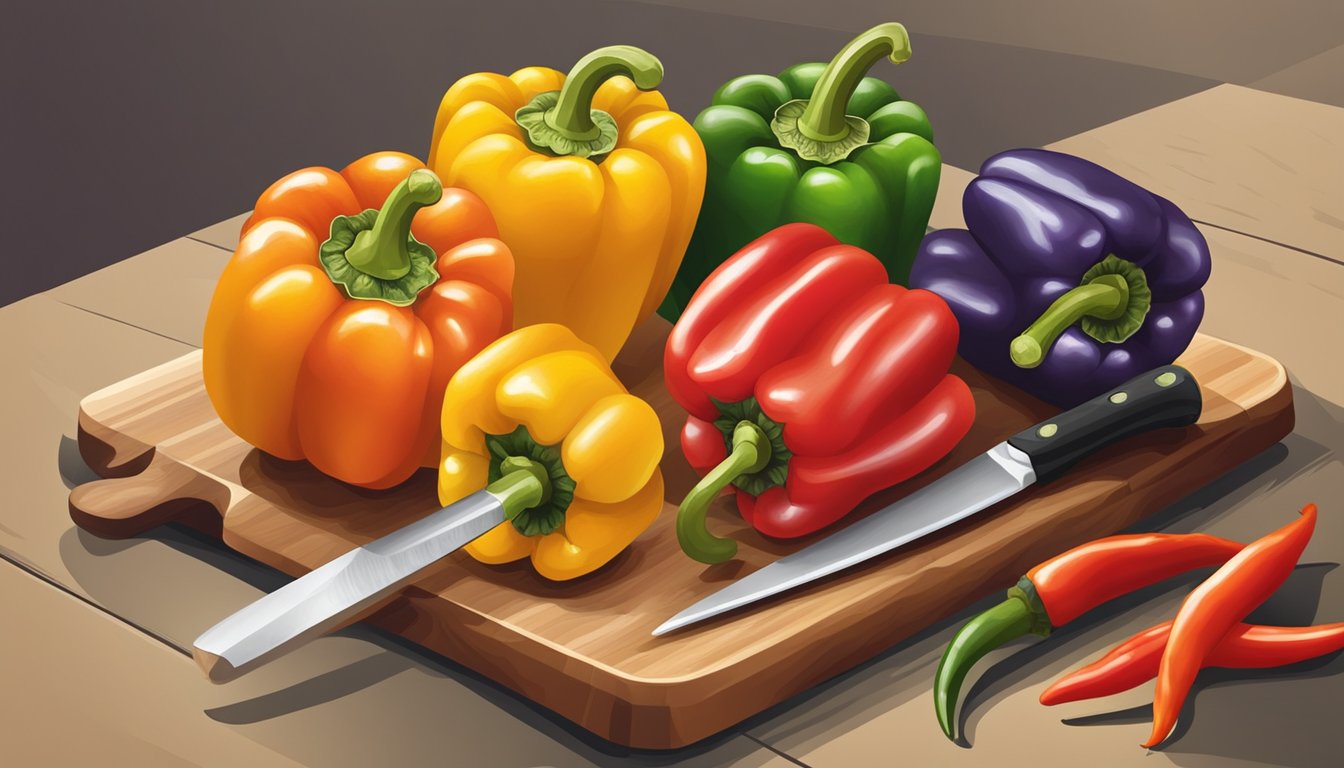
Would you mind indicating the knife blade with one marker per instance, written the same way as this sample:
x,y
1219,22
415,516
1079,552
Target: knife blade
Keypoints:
x,y
338,592
1164,397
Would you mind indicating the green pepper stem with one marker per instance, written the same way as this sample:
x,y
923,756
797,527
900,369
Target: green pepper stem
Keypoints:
x,y
381,251
1008,620
751,453
523,485
824,118
572,115
1105,297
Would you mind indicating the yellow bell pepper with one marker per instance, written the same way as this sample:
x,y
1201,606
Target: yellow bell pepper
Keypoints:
x,y
540,401
595,185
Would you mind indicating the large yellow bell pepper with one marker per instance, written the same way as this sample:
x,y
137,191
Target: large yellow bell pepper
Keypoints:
x,y
595,185
542,402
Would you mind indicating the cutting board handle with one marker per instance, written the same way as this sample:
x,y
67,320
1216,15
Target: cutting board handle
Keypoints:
x,y
165,491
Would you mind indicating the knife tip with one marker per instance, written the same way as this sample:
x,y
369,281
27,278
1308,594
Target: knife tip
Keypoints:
x,y
671,625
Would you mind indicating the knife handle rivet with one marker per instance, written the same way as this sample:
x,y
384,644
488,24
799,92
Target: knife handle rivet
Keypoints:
x,y
1165,380
1048,430
1119,397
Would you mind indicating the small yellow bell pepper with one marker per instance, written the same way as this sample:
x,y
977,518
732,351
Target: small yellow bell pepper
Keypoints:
x,y
541,401
594,184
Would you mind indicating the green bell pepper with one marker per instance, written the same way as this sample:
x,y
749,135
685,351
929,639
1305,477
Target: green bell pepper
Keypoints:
x,y
820,143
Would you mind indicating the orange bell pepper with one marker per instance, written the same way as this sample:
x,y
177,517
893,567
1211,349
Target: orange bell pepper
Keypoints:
x,y
351,300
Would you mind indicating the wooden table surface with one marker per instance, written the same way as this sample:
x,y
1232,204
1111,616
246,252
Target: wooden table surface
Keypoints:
x,y
93,653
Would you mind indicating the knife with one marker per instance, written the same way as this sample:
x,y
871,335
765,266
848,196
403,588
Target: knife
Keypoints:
x,y
358,582
1164,397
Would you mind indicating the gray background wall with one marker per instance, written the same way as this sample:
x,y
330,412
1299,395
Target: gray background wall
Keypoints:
x,y
128,124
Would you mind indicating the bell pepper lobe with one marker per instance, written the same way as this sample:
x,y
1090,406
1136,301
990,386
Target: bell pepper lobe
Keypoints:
x,y
540,403
351,299
1068,279
819,143
594,182
810,382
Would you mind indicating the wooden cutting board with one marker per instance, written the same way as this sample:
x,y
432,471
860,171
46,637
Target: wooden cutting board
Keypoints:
x,y
583,648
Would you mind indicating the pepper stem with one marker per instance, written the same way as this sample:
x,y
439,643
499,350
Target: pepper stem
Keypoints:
x,y
1105,297
824,118
572,115
524,485
751,453
1008,620
382,251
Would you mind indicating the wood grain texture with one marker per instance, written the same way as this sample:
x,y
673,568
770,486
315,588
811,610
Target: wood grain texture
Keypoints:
x,y
583,649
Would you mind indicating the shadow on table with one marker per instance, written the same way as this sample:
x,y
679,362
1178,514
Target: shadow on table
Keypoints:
x,y
1294,604
87,558
1285,726
1212,726
395,657
905,671
874,687
400,656
71,465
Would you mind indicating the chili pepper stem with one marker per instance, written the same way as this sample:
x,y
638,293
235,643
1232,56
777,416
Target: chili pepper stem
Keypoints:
x,y
1010,619
382,251
824,118
751,453
524,485
1105,297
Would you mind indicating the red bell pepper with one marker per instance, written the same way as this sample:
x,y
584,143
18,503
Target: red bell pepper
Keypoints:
x,y
811,383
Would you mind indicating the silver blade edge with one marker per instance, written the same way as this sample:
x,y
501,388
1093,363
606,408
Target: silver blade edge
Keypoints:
x,y
989,478
333,594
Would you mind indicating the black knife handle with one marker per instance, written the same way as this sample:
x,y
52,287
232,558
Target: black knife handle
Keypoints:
x,y
1163,397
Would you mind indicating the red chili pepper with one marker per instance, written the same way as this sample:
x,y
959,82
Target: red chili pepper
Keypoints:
x,y
1224,599
811,383
1079,580
1246,646
1063,588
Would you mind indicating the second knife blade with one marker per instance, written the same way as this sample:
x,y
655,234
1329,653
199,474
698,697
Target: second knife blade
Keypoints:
x,y
338,592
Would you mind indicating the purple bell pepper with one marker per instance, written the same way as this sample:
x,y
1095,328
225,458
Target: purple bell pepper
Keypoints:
x,y
1069,279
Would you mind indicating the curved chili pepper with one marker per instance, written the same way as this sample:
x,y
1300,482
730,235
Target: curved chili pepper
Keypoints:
x,y
1224,599
1063,588
1246,646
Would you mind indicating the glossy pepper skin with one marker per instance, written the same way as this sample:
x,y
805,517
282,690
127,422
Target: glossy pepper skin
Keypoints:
x,y
1068,280
811,383
350,301
1217,605
1066,586
594,182
870,179
1245,646
541,400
